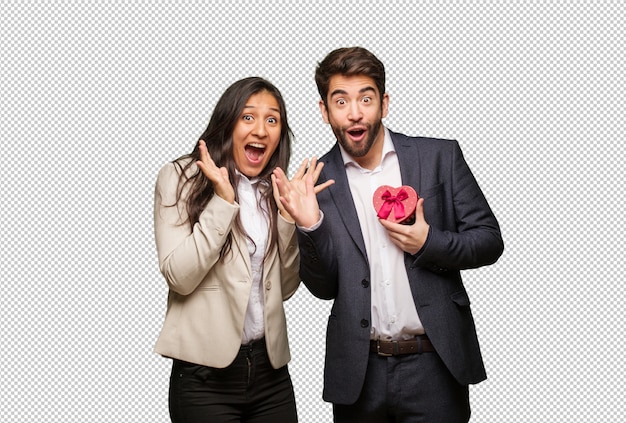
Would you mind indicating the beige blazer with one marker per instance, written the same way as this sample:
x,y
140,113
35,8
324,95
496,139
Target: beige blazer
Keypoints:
x,y
207,297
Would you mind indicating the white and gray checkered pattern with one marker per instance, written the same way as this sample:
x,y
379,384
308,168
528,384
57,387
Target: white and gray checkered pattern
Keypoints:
x,y
97,96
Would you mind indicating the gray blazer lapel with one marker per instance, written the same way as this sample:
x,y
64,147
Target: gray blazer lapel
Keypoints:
x,y
342,197
408,157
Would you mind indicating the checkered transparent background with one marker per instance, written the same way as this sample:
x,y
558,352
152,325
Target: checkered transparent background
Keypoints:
x,y
97,96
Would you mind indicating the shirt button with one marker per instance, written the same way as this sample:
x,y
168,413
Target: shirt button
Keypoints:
x,y
268,285
364,323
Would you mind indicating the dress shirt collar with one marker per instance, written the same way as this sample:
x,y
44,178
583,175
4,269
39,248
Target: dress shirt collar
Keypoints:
x,y
251,181
387,149
255,182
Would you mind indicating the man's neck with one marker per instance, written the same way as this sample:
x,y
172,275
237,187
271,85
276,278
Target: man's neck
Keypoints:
x,y
373,158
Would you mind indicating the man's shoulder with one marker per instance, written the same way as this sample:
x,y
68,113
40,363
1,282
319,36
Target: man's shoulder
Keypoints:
x,y
330,153
437,142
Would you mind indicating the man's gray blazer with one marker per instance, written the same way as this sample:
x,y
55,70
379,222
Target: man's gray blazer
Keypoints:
x,y
463,234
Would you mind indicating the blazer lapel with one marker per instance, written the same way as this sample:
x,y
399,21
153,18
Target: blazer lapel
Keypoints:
x,y
241,244
341,195
408,158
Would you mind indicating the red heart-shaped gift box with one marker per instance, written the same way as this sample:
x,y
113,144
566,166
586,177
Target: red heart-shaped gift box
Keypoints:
x,y
395,204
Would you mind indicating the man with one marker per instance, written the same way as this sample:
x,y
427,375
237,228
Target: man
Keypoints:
x,y
401,342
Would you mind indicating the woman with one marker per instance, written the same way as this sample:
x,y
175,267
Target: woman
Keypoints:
x,y
229,254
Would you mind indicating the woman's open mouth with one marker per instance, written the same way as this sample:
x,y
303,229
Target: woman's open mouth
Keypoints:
x,y
255,152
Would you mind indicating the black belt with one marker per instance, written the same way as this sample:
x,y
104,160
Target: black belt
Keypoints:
x,y
418,345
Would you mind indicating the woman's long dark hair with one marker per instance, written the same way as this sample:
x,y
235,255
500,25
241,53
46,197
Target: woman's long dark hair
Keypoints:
x,y
218,137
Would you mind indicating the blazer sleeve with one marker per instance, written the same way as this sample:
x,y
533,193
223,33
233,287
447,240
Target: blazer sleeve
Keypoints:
x,y
318,261
475,240
185,255
289,255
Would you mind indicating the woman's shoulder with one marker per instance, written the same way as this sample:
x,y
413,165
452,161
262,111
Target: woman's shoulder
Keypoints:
x,y
170,176
174,169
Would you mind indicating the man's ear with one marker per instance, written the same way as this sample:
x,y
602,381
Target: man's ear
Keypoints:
x,y
385,105
324,111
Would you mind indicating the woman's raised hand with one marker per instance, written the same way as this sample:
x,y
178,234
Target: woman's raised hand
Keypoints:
x,y
296,198
218,176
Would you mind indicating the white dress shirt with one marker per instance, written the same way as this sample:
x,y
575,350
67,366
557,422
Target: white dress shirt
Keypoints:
x,y
394,315
255,222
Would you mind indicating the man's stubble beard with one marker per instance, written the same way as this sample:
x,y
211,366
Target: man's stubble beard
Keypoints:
x,y
372,133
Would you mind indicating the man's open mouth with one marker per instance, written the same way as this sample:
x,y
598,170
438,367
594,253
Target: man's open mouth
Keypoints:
x,y
356,133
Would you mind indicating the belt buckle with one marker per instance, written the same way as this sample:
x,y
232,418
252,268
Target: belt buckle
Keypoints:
x,y
379,352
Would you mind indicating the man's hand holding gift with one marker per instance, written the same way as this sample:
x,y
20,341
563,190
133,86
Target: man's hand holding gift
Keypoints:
x,y
401,212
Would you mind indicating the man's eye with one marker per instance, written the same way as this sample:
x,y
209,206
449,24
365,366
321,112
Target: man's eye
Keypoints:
x,y
341,101
367,99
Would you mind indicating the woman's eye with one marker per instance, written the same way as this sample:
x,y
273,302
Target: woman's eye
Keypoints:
x,y
272,120
247,117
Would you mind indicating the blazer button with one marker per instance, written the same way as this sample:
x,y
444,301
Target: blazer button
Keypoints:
x,y
268,285
365,283
364,323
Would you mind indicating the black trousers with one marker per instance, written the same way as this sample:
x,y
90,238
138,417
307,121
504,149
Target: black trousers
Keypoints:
x,y
250,390
412,388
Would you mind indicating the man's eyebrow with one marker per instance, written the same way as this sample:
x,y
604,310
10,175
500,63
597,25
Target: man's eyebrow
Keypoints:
x,y
336,92
361,91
